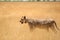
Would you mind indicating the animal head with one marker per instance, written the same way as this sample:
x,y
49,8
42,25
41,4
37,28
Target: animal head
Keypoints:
x,y
23,19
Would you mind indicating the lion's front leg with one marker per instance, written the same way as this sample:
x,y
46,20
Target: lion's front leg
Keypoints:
x,y
31,26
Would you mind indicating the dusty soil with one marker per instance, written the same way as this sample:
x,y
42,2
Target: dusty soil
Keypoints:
x,y
11,12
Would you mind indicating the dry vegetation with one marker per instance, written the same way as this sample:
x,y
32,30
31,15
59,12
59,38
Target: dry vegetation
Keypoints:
x,y
10,13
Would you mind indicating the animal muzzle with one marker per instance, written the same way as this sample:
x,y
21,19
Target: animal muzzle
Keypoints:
x,y
21,22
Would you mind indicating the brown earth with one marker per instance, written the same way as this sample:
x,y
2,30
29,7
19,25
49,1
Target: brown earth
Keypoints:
x,y
11,12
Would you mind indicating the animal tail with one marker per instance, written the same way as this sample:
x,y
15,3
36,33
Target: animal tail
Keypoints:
x,y
56,25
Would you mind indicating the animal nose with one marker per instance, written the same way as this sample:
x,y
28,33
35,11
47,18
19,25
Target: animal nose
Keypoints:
x,y
21,22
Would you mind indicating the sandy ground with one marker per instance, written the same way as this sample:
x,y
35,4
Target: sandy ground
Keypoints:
x,y
11,12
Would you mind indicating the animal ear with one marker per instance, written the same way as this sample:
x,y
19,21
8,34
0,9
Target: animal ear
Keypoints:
x,y
24,17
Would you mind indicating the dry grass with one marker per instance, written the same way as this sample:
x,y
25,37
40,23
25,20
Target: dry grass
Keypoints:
x,y
10,13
